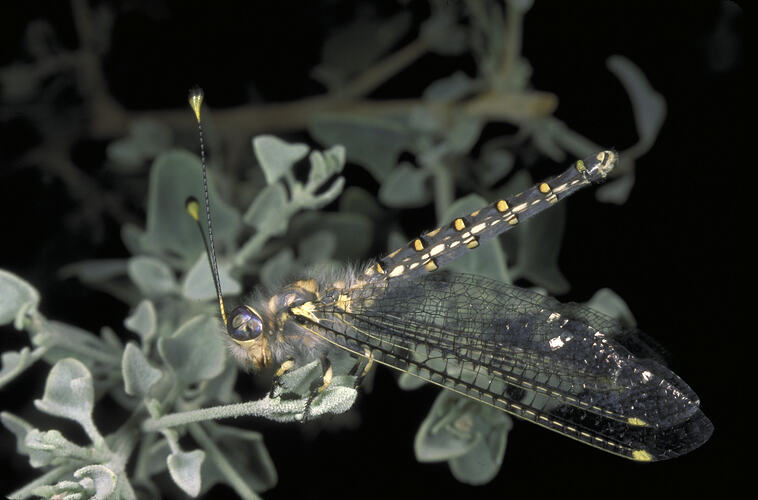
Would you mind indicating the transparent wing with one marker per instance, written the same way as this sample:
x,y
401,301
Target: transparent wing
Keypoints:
x,y
562,366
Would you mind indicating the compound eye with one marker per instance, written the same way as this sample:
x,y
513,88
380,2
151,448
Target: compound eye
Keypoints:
x,y
245,324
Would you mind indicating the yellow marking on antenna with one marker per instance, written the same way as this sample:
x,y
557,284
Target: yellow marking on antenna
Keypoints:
x,y
431,266
472,244
193,207
379,268
433,233
580,166
501,206
418,245
474,214
196,101
544,188
459,224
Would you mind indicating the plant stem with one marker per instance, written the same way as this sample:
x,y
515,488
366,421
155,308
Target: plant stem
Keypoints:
x,y
230,473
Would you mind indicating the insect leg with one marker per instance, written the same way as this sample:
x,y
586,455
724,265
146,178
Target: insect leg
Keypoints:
x,y
276,382
318,386
369,364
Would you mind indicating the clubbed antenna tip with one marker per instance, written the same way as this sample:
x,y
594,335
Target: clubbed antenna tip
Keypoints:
x,y
196,100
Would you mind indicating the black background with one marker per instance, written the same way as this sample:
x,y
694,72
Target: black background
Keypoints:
x,y
671,252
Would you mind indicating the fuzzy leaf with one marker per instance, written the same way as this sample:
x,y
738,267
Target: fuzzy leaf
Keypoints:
x,y
170,231
316,248
46,447
539,246
405,187
470,436
146,139
493,165
68,392
275,269
324,165
353,231
617,190
19,427
359,201
195,351
247,453
648,105
268,212
103,479
464,133
449,88
14,363
276,156
198,283
444,34
609,303
95,271
184,468
63,336
152,276
352,48
373,143
482,463
16,297
143,321
322,199
139,375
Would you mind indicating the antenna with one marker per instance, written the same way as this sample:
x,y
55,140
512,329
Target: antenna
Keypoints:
x,y
193,207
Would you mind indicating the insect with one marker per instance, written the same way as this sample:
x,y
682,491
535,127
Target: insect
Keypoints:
x,y
564,367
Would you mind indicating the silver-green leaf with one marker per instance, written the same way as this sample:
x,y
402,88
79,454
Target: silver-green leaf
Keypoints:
x,y
195,351
276,156
19,427
13,364
68,392
170,231
405,187
198,283
139,375
16,297
152,276
268,212
143,321
184,468
102,479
